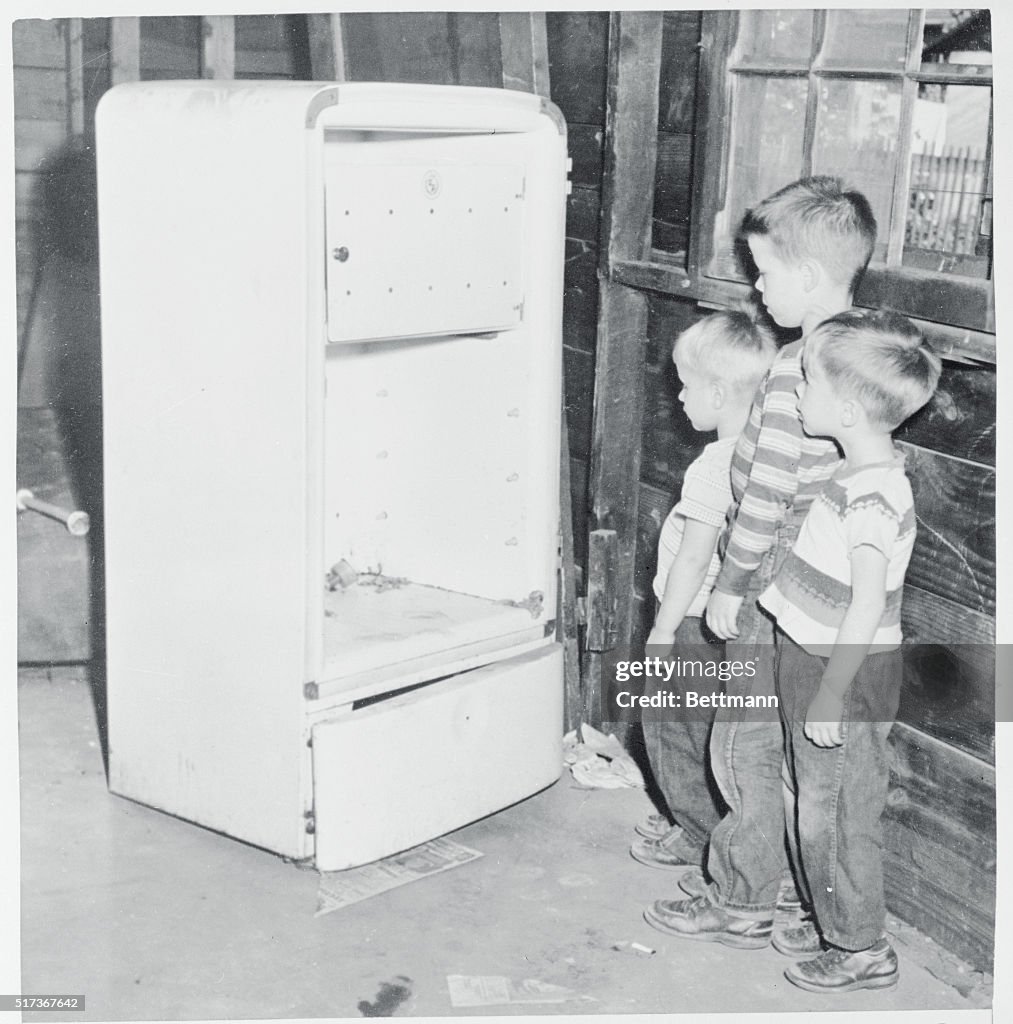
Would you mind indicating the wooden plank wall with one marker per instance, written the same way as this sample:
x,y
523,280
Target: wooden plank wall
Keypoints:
x,y
578,50
628,176
55,187
578,53
41,127
435,47
676,108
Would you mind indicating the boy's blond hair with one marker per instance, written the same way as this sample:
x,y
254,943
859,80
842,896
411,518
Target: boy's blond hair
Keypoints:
x,y
878,358
819,218
730,346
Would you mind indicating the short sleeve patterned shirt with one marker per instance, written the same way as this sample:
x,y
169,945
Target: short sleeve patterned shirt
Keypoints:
x,y
869,505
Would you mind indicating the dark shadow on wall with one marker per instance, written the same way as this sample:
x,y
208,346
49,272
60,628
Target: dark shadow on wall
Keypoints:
x,y
63,317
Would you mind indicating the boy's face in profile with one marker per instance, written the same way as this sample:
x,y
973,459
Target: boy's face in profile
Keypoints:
x,y
697,397
781,284
818,405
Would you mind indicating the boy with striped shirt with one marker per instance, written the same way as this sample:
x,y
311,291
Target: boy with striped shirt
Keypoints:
x,y
838,665
810,242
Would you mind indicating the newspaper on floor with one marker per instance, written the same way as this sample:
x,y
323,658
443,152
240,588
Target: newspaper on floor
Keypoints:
x,y
495,990
343,888
598,761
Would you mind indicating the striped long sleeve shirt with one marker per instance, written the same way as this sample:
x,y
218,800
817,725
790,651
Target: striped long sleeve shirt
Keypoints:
x,y
776,469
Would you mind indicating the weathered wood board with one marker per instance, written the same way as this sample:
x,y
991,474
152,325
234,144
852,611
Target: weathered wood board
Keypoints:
x,y
949,672
39,43
960,419
584,142
475,49
680,48
954,555
580,298
578,373
583,208
578,43
940,852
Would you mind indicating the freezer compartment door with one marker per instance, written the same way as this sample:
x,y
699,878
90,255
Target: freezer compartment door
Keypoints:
x,y
399,772
425,236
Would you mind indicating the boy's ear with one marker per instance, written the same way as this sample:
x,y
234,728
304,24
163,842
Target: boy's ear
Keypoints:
x,y
812,273
850,411
718,394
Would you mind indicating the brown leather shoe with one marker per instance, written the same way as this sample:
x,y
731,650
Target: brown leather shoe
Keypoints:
x,y
655,854
693,883
654,826
840,970
798,941
699,919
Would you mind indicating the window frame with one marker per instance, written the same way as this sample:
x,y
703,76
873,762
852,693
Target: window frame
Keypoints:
x,y
962,306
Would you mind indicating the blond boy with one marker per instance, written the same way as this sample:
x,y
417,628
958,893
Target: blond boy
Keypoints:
x,y
719,360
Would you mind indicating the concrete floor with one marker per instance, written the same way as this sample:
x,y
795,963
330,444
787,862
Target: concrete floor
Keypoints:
x,y
156,919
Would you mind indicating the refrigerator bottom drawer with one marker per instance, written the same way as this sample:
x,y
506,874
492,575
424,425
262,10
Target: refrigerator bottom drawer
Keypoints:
x,y
395,774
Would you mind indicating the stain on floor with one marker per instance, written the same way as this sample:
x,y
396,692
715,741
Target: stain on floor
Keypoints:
x,y
391,995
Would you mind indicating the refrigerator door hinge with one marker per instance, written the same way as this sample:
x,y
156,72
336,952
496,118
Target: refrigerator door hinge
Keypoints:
x,y
311,822
311,691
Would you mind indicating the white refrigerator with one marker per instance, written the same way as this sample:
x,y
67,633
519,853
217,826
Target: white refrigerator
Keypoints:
x,y
331,346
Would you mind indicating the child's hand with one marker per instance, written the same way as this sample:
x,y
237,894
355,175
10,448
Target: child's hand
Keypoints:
x,y
722,615
823,719
661,637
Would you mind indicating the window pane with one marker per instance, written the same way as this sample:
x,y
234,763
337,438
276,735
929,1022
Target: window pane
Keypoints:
x,y
948,183
957,37
857,127
865,39
760,161
775,35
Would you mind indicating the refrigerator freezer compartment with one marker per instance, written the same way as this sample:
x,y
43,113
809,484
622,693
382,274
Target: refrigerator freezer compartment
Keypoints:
x,y
404,771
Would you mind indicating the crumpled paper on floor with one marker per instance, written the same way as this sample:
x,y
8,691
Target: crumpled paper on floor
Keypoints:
x,y
598,761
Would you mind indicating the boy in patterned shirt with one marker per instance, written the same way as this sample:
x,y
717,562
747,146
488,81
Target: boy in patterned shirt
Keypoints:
x,y
837,602
810,241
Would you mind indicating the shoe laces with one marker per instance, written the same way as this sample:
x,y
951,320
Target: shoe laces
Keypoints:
x,y
697,905
807,926
834,956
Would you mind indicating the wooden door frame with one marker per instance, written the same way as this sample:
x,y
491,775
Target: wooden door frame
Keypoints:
x,y
630,159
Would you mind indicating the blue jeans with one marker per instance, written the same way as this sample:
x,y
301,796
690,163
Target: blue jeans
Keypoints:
x,y
747,857
838,793
676,746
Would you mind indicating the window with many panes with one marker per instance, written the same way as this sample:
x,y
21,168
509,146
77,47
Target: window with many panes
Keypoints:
x,y
896,102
